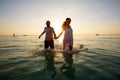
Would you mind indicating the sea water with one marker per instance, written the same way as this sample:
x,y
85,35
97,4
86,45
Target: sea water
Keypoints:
x,y
94,58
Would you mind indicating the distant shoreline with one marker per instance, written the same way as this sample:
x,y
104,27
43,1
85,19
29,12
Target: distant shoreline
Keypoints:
x,y
73,35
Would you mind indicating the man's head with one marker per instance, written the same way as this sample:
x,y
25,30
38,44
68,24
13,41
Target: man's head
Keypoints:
x,y
48,23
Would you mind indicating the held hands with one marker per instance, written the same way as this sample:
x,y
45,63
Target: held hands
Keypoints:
x,y
55,37
58,36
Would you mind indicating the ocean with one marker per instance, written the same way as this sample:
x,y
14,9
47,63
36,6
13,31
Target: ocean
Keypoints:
x,y
94,58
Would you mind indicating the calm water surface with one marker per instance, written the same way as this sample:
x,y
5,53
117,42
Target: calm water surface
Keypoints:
x,y
23,58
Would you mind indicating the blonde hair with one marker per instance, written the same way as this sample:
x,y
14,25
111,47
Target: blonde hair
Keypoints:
x,y
64,25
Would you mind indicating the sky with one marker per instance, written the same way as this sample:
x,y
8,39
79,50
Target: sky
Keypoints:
x,y
28,17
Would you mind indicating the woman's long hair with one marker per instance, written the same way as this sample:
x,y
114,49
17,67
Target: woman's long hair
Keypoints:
x,y
64,25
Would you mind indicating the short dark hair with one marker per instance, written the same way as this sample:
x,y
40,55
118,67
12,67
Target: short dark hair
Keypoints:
x,y
47,21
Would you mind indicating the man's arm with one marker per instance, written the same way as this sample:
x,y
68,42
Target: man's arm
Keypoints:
x,y
54,34
42,34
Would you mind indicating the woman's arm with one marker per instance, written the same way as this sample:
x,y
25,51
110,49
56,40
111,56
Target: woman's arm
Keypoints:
x,y
58,35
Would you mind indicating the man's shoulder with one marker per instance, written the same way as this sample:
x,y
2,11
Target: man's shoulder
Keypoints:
x,y
48,27
45,27
51,27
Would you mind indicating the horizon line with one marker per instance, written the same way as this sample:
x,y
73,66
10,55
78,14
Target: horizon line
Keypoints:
x,y
73,35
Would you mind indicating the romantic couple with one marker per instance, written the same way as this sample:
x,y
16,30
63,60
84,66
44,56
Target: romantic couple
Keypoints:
x,y
67,70
68,35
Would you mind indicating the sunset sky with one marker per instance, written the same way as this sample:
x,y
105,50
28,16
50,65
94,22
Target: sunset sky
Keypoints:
x,y
88,16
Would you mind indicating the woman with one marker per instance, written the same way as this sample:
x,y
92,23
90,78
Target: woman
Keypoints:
x,y
68,35
67,42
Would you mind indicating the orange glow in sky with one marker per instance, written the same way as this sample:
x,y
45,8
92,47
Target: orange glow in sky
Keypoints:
x,y
88,16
